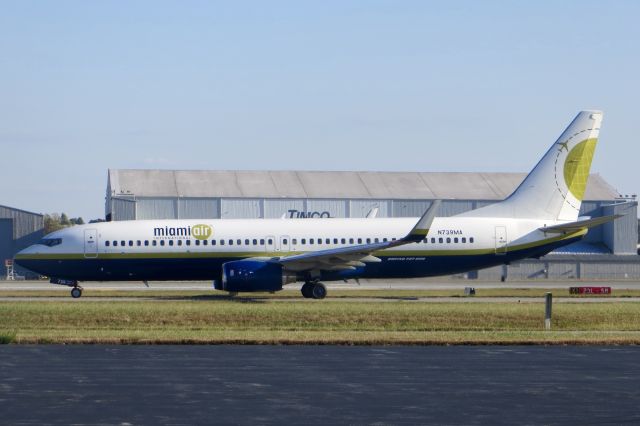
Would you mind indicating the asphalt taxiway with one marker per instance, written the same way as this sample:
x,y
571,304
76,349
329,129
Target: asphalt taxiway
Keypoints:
x,y
179,385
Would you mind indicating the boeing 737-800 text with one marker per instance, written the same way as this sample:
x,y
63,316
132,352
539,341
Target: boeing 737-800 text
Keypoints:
x,y
264,254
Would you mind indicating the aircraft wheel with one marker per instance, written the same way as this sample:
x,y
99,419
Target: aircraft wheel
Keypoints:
x,y
306,290
76,292
319,291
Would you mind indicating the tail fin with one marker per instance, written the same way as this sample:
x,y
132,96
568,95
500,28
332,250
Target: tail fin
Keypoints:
x,y
555,187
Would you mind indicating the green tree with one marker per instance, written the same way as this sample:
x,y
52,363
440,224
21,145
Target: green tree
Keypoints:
x,y
54,222
64,220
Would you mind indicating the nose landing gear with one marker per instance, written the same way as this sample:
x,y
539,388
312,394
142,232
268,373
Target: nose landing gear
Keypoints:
x,y
76,291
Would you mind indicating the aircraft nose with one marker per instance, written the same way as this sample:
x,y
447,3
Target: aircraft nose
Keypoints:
x,y
23,254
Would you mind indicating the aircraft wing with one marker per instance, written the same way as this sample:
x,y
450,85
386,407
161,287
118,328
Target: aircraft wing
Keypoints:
x,y
344,258
579,225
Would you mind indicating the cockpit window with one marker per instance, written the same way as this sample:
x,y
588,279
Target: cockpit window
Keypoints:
x,y
50,242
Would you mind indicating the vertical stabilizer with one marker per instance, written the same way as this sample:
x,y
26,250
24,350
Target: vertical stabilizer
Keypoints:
x,y
555,187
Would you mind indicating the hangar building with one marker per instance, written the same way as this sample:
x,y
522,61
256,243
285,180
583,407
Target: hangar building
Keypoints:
x,y
197,194
18,230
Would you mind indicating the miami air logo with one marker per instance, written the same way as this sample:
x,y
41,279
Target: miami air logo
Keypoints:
x,y
201,232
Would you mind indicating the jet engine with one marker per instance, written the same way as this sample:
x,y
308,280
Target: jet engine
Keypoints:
x,y
254,275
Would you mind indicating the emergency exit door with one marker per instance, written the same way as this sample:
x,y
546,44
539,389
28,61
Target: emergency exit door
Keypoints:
x,y
501,240
90,243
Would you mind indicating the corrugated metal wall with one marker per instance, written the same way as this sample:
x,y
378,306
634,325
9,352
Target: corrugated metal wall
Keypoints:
x,y
19,229
198,208
621,235
335,208
24,223
274,209
156,208
360,208
240,208
123,209
409,208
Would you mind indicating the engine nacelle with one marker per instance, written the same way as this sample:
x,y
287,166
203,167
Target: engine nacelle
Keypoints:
x,y
254,275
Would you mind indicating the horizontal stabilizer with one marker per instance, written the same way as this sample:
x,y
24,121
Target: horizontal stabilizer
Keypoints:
x,y
579,225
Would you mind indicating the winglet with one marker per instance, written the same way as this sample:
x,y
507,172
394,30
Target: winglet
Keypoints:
x,y
422,227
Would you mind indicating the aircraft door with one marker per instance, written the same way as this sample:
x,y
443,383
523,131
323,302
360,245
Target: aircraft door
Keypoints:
x,y
270,244
501,240
90,243
285,243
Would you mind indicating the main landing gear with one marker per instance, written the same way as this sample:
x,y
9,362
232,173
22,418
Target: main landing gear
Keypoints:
x,y
314,290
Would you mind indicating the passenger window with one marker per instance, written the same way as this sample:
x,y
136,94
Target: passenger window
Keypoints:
x,y
377,240
464,240
433,240
239,242
343,240
351,240
471,240
246,242
255,242
359,240
106,243
284,241
115,243
204,242
261,241
146,243
197,242
311,240
230,242
303,241
425,241
213,242
171,242
162,242
122,243
155,243
368,240
384,240
138,243
294,241
440,240
270,241
188,242
130,243
221,242
328,241
179,242
393,239
448,240
455,240
319,240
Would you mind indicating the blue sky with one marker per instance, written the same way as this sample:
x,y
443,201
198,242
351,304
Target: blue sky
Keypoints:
x,y
331,85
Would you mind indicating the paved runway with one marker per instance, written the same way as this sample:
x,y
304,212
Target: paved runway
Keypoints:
x,y
176,385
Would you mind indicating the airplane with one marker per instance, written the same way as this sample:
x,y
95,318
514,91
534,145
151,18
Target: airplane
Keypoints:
x,y
247,255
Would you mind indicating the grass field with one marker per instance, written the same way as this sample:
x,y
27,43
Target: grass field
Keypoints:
x,y
198,318
295,294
